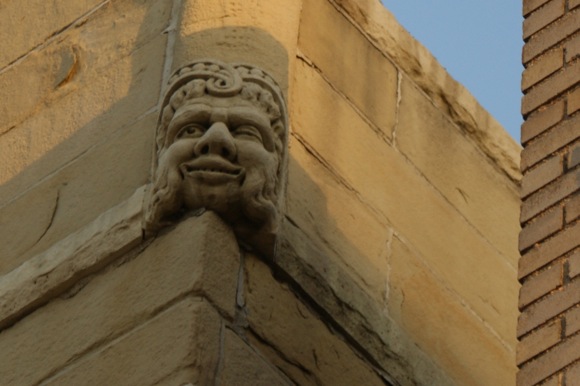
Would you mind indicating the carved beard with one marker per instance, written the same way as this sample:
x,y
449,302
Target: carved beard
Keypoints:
x,y
257,198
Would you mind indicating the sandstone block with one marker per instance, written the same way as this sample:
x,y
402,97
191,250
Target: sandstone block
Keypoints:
x,y
550,195
243,366
551,35
92,314
278,18
399,192
541,227
550,306
442,326
98,180
542,67
541,120
185,335
541,175
278,317
551,87
558,137
47,17
335,290
87,250
549,250
354,73
115,79
325,209
455,166
554,360
540,284
539,341
542,17
385,33
573,4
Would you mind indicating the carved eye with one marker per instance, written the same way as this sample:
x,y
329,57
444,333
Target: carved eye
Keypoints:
x,y
191,131
248,132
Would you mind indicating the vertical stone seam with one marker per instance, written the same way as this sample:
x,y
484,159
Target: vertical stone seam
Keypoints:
x,y
397,108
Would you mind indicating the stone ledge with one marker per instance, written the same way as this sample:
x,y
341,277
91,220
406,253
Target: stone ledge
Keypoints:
x,y
31,284
368,328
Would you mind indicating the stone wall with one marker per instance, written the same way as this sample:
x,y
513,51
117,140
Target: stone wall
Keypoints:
x,y
548,327
396,263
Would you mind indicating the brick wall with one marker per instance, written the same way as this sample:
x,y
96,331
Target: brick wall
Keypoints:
x,y
549,325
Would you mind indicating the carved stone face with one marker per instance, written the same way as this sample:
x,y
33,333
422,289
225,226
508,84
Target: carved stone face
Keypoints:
x,y
221,146
223,150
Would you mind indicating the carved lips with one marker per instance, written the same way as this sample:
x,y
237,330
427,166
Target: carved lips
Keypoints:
x,y
212,169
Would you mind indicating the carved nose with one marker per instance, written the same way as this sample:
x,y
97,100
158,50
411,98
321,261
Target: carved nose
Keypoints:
x,y
217,140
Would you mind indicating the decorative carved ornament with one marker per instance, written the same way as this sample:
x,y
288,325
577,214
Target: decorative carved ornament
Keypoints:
x,y
222,146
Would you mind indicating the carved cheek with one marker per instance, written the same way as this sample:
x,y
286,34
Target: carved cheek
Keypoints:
x,y
253,155
180,151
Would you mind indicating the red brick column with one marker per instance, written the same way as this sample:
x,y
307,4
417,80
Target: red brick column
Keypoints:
x,y
549,269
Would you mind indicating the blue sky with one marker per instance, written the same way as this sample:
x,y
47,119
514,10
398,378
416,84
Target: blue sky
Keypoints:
x,y
478,42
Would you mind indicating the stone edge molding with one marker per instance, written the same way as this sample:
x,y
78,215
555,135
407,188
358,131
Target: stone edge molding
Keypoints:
x,y
53,271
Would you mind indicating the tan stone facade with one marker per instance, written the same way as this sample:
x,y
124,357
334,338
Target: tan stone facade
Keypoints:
x,y
396,260
549,347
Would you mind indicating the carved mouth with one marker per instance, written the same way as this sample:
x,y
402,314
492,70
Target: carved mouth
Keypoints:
x,y
211,168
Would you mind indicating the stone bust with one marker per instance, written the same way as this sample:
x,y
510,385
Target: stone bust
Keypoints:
x,y
221,146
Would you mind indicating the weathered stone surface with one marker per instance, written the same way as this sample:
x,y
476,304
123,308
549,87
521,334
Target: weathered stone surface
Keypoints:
x,y
456,167
327,210
46,17
358,314
483,277
90,248
445,328
278,316
383,30
242,366
262,33
363,66
185,335
184,261
117,79
98,180
222,145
